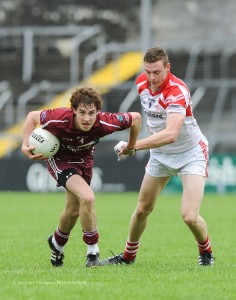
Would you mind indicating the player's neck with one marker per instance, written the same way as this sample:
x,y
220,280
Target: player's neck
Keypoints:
x,y
154,89
75,124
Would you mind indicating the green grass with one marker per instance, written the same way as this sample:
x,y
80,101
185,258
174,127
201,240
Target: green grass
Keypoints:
x,y
166,265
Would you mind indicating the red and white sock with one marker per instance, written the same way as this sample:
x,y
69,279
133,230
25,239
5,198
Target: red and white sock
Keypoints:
x,y
131,250
204,246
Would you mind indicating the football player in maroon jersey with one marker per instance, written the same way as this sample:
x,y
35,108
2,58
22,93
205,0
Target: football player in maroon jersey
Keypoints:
x,y
79,128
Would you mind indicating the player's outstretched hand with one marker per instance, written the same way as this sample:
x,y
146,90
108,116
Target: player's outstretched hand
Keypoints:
x,y
122,151
118,150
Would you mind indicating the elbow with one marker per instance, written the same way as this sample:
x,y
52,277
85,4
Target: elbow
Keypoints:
x,y
137,119
172,138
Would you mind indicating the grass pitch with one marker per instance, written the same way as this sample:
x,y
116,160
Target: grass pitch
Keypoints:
x,y
166,267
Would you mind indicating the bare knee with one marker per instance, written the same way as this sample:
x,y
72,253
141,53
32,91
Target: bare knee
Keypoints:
x,y
143,212
190,219
88,200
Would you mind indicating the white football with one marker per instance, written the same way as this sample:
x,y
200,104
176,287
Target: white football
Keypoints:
x,y
44,142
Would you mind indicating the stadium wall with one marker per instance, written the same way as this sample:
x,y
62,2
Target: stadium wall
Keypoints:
x,y
21,174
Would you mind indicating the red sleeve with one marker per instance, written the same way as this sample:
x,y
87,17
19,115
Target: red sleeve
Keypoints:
x,y
141,82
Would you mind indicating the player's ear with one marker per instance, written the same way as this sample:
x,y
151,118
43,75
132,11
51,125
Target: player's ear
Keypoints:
x,y
74,110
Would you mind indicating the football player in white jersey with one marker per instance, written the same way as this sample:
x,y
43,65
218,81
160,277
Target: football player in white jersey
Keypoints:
x,y
177,147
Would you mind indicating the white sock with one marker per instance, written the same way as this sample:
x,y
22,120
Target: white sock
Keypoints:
x,y
92,249
59,248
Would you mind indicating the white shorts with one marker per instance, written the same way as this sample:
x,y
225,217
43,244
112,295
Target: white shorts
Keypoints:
x,y
193,161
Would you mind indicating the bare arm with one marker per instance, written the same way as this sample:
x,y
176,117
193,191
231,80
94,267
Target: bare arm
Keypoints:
x,y
31,121
134,130
169,135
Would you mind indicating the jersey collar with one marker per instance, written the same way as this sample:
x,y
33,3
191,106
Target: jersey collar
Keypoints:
x,y
165,82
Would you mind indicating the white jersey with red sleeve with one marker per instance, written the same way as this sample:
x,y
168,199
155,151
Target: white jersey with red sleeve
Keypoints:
x,y
77,144
172,97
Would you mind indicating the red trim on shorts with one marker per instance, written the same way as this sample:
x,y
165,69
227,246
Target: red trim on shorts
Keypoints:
x,y
205,152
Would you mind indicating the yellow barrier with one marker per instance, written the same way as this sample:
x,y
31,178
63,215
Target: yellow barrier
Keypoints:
x,y
113,74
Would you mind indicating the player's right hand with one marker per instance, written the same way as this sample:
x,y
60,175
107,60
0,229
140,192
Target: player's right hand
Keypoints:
x,y
27,151
119,148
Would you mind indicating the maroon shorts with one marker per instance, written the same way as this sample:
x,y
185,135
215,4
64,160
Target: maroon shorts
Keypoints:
x,y
62,170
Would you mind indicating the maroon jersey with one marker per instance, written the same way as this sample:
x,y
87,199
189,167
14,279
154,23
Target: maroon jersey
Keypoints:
x,y
77,145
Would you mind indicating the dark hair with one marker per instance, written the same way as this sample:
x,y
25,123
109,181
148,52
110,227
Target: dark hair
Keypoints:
x,y
86,96
155,54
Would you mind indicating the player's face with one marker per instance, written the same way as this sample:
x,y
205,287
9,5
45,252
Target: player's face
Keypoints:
x,y
85,117
156,73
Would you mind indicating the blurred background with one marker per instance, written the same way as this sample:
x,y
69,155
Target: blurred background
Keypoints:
x,y
47,48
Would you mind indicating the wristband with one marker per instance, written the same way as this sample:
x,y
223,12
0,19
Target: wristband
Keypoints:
x,y
130,151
